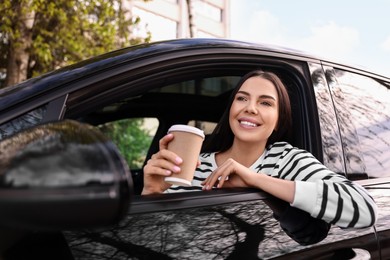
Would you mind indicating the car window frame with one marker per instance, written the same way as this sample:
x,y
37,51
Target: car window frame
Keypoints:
x,y
132,88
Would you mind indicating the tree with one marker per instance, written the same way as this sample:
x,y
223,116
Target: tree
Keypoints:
x,y
37,36
131,139
191,25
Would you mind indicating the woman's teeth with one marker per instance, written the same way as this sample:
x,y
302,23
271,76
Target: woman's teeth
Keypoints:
x,y
248,123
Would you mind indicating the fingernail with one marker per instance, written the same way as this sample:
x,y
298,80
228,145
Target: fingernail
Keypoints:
x,y
176,169
168,172
178,160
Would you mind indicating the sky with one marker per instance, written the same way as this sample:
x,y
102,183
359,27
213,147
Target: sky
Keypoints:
x,y
355,32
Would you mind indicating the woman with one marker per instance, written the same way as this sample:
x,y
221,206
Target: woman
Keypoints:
x,y
246,150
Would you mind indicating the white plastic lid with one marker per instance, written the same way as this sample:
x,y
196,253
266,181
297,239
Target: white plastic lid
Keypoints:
x,y
178,181
186,128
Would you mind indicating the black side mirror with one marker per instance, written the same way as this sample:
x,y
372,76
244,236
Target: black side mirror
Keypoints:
x,y
62,175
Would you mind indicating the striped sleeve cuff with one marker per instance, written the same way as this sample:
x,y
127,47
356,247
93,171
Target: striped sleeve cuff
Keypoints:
x,y
305,196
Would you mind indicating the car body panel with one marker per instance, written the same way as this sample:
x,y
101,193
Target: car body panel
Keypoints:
x,y
219,224
243,229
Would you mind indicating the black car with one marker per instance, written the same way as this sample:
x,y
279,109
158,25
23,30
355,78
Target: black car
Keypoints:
x,y
68,191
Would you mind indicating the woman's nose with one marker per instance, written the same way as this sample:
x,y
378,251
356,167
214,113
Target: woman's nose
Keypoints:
x,y
251,108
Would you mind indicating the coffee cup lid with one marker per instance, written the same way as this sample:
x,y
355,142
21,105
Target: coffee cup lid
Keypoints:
x,y
187,128
178,181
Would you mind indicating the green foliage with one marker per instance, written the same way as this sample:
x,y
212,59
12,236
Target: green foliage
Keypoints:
x,y
65,31
131,139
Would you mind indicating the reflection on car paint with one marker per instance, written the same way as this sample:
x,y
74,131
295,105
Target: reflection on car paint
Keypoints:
x,y
23,122
331,141
245,230
362,105
70,158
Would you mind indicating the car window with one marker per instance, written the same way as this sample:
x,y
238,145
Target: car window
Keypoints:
x,y
132,137
159,108
363,110
191,99
330,136
24,121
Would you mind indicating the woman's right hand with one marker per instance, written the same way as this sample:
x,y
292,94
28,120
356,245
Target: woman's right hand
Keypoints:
x,y
159,166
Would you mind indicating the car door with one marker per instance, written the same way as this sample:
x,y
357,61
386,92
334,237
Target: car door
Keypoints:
x,y
362,103
189,83
216,224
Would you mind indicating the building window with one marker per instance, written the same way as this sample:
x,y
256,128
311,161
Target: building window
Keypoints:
x,y
162,28
208,10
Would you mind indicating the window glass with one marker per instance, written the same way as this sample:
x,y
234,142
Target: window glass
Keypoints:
x,y
210,11
203,34
162,27
24,121
363,107
330,137
132,137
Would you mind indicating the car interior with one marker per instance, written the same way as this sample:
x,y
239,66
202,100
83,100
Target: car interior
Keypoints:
x,y
198,100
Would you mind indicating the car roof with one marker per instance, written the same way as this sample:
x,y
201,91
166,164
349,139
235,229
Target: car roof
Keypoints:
x,y
92,66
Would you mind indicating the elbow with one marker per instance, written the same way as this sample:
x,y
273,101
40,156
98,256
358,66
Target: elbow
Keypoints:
x,y
372,215
368,216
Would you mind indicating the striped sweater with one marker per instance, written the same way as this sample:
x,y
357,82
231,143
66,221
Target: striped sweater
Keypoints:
x,y
334,198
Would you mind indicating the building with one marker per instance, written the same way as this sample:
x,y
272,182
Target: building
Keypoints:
x,y
170,19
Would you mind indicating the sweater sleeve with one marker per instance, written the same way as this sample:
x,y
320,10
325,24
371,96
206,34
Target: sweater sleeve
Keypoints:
x,y
325,194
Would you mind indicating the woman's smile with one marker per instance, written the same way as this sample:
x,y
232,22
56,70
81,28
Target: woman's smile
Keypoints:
x,y
248,123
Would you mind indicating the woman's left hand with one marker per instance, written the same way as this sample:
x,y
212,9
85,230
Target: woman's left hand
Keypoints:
x,y
229,174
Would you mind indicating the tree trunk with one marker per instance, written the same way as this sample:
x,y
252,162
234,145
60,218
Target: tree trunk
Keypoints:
x,y
19,47
190,19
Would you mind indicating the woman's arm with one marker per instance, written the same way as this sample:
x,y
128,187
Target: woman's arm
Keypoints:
x,y
295,176
325,194
233,174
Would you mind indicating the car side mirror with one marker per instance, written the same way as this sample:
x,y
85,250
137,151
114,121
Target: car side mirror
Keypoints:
x,y
62,175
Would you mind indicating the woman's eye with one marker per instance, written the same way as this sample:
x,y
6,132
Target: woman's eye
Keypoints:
x,y
265,103
241,98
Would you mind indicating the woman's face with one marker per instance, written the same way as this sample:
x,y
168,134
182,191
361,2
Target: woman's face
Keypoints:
x,y
254,111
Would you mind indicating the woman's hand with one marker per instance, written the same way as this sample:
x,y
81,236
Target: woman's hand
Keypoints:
x,y
161,165
230,174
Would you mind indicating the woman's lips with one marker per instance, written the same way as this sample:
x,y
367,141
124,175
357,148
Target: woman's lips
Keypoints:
x,y
247,123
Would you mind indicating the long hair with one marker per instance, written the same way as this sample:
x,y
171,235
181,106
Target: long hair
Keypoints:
x,y
222,137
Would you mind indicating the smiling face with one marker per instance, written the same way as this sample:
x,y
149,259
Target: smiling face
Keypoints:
x,y
254,112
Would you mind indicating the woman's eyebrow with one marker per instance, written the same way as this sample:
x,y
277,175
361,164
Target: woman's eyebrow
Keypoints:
x,y
261,96
243,92
268,97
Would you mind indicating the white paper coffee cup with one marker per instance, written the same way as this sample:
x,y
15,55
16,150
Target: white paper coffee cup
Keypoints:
x,y
187,143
